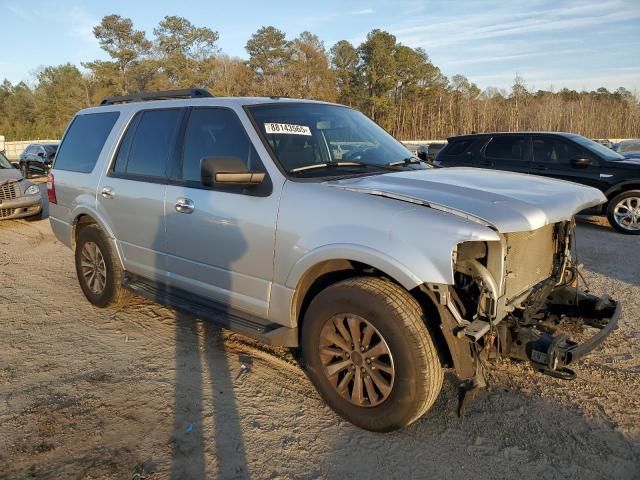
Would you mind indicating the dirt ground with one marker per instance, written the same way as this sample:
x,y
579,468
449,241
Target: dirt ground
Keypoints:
x,y
148,393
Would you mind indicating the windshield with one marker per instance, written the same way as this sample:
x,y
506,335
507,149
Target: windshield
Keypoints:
x,y
598,149
304,134
4,163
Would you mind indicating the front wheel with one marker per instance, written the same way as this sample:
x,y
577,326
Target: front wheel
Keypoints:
x,y
368,352
623,212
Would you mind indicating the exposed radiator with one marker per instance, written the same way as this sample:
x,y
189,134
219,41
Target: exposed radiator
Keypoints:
x,y
529,259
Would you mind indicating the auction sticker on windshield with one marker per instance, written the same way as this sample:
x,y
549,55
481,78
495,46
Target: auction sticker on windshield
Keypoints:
x,y
287,128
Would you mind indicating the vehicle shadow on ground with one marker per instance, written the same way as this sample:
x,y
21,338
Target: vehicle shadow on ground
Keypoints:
x,y
606,251
202,399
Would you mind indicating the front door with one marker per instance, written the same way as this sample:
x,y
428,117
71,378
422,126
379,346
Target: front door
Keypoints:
x,y
552,157
220,240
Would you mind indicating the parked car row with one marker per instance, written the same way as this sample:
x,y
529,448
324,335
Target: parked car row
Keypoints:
x,y
19,197
628,148
37,158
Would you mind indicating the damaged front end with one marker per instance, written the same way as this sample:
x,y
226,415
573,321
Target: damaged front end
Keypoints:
x,y
515,297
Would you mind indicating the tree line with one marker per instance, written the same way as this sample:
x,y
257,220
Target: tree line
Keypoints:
x,y
396,85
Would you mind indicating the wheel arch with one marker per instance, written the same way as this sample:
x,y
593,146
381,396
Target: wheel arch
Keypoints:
x,y
620,188
83,217
328,272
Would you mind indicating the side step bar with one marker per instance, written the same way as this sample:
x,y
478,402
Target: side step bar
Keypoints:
x,y
208,310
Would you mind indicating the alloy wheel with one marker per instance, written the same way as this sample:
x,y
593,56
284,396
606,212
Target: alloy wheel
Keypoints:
x,y
627,213
357,360
94,269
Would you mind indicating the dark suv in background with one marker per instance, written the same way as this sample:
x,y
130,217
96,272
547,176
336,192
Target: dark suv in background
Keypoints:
x,y
37,158
558,155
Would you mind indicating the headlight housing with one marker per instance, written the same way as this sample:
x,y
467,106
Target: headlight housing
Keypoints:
x,y
32,190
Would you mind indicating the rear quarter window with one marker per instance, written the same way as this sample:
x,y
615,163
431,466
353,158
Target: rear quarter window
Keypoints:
x,y
84,140
456,147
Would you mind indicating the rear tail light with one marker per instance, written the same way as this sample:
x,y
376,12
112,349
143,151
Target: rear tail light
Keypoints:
x,y
51,189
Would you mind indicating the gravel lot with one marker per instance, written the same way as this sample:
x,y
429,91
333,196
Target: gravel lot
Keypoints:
x,y
89,393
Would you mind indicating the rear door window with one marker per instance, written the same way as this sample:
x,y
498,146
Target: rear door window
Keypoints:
x,y
149,143
507,148
84,140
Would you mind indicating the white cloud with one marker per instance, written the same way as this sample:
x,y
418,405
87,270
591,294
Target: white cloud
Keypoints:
x,y
365,11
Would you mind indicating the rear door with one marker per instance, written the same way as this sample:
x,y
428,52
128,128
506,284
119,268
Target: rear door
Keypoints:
x,y
131,194
508,152
553,155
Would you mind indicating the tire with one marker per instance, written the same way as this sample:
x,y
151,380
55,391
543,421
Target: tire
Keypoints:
x,y
400,325
625,202
112,293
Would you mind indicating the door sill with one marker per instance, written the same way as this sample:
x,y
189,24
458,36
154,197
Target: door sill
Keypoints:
x,y
211,311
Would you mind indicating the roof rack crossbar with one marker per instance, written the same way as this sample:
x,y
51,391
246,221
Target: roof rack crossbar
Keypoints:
x,y
164,95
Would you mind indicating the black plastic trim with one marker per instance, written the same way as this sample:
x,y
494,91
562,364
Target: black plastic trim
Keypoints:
x,y
214,312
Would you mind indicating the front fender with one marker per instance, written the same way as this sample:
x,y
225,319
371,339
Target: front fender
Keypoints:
x,y
358,253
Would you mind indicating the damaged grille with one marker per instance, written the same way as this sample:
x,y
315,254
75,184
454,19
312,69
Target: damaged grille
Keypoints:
x,y
6,212
529,259
9,191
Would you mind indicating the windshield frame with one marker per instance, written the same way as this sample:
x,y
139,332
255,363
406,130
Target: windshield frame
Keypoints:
x,y
315,178
5,159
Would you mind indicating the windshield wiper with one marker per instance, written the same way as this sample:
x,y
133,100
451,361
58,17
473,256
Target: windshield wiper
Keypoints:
x,y
383,166
407,161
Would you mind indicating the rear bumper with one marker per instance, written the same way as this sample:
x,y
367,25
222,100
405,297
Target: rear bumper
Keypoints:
x,y
20,207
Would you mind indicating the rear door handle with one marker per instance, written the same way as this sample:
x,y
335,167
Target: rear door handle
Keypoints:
x,y
540,167
184,205
107,192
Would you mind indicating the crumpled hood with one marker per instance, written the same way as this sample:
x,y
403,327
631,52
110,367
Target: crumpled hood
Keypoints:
x,y
7,174
509,202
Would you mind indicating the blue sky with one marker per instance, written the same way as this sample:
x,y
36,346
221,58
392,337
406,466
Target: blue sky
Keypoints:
x,y
575,44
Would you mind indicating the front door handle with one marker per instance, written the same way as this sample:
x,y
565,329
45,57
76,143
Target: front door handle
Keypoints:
x,y
541,167
184,205
107,192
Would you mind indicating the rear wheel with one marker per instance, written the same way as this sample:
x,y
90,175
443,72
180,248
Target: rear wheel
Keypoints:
x,y
98,268
368,352
623,212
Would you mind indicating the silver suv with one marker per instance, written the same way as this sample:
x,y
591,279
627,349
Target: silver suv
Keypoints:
x,y
304,224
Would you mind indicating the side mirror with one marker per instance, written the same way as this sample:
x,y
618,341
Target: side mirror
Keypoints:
x,y
423,152
228,171
580,162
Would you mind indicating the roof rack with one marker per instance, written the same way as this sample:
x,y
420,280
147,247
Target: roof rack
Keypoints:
x,y
164,95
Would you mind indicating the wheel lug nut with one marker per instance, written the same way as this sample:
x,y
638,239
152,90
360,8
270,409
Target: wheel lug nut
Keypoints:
x,y
362,349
